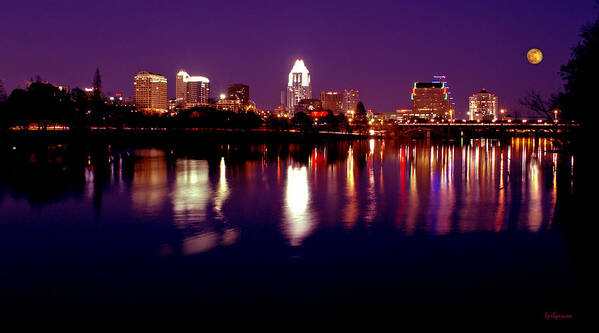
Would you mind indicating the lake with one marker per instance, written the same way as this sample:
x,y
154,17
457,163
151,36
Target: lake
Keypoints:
x,y
350,230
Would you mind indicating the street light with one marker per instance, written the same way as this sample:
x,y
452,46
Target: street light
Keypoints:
x,y
502,113
555,112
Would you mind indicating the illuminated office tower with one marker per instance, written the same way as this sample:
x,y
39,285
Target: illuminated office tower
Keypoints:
x,y
181,86
482,106
241,91
298,86
192,90
449,101
332,101
198,91
432,99
150,92
351,98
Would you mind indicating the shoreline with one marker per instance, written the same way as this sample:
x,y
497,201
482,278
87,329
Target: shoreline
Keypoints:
x,y
175,136
220,135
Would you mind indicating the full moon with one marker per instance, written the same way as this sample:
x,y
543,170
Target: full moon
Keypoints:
x,y
534,56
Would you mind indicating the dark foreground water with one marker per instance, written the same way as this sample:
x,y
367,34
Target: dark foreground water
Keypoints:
x,y
351,231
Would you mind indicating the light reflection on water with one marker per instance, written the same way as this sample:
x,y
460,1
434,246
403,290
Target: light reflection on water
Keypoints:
x,y
149,188
416,187
298,217
218,226
191,192
197,206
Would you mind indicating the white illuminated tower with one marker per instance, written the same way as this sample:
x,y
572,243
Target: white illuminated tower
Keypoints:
x,y
298,86
483,106
192,90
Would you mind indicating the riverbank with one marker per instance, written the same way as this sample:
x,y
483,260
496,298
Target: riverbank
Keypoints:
x,y
112,136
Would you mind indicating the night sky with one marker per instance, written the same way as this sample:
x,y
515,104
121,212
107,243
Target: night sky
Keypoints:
x,y
378,47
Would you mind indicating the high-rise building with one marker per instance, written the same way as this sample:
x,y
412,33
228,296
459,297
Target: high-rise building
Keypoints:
x,y
332,101
192,90
241,91
482,106
198,91
432,99
351,98
298,85
450,103
150,92
181,86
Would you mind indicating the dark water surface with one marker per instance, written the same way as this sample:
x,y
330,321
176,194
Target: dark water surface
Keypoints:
x,y
383,230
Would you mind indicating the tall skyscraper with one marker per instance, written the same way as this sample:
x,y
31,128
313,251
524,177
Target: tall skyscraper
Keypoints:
x,y
298,86
332,101
432,99
241,91
482,106
181,86
150,92
351,97
192,90
450,103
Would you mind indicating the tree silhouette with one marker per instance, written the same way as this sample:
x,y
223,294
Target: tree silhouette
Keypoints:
x,y
360,118
535,102
360,111
82,104
302,121
15,109
41,103
97,82
578,101
99,111
47,104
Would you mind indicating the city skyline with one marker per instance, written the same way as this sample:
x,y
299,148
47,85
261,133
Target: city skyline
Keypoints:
x,y
338,162
362,57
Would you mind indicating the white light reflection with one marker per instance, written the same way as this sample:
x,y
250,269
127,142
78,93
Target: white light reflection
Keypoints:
x,y
222,191
191,193
191,199
298,218
350,212
535,211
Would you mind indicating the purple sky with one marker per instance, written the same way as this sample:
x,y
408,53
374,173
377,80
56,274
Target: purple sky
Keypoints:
x,y
378,47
